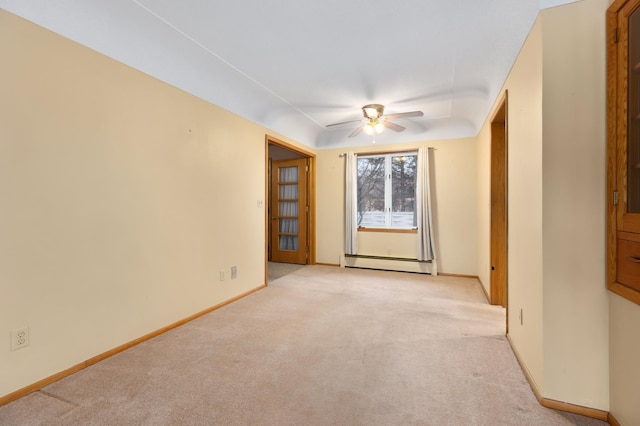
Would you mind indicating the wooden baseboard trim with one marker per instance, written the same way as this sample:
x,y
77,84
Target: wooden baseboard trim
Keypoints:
x,y
551,403
444,274
575,409
612,420
484,290
91,361
327,264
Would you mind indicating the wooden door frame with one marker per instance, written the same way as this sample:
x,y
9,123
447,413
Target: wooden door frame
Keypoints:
x,y
498,223
311,199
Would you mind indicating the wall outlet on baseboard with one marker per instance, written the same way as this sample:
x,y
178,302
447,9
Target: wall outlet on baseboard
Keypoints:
x,y
19,338
234,272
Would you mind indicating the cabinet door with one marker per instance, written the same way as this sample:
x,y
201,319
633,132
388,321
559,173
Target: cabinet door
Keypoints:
x,y
628,116
623,116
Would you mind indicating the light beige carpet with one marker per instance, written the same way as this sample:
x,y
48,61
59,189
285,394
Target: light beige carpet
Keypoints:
x,y
319,346
277,270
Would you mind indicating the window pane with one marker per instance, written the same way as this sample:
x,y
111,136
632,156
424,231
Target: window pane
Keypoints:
x,y
403,191
289,192
288,174
288,226
288,243
371,192
288,208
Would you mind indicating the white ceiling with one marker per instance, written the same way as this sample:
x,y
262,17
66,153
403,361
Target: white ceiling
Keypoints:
x,y
295,66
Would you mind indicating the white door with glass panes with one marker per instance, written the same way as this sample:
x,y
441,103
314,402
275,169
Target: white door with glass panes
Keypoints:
x,y
289,211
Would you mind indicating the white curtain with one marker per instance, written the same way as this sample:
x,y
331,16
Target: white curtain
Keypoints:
x,y
426,244
350,204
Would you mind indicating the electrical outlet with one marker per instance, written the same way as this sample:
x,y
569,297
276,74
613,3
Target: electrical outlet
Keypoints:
x,y
221,275
19,338
234,272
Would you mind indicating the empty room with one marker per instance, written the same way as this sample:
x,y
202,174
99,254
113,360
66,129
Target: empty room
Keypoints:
x,y
340,213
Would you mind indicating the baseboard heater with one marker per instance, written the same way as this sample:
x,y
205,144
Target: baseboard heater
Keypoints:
x,y
388,263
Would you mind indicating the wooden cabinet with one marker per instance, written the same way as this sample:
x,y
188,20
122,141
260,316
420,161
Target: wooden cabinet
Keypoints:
x,y
628,264
623,127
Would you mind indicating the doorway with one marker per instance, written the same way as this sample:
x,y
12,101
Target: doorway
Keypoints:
x,y
290,212
499,219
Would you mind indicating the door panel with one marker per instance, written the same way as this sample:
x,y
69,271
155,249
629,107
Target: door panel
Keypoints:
x,y
289,211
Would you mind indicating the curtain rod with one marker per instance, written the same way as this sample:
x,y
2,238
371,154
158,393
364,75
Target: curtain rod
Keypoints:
x,y
342,154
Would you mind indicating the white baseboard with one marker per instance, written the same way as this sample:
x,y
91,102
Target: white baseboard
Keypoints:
x,y
389,264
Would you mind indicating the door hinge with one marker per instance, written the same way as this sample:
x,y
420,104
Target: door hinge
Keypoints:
x,y
615,198
306,168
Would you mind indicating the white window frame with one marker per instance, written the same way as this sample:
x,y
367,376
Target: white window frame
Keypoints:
x,y
388,189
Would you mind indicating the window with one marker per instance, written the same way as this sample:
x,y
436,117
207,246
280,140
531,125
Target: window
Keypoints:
x,y
387,191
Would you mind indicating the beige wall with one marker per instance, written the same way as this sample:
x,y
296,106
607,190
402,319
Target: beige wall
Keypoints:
x,y
114,218
455,195
524,86
574,178
556,154
624,356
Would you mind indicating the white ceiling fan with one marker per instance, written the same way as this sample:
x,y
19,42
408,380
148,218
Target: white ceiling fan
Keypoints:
x,y
374,121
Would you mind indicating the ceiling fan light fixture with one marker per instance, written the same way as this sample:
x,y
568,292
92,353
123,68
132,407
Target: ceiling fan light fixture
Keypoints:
x,y
373,111
368,129
370,112
374,127
374,121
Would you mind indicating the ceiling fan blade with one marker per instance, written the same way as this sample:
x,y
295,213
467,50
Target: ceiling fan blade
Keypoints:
x,y
393,126
342,122
404,115
356,132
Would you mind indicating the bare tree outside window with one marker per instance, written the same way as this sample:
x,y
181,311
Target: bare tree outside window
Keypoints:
x,y
371,177
403,192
